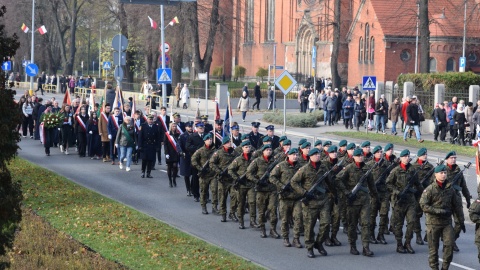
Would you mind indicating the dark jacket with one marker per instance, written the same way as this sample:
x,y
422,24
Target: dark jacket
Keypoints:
x,y
413,118
173,155
380,108
460,120
440,117
257,92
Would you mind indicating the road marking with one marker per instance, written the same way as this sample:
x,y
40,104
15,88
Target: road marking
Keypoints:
x,y
458,265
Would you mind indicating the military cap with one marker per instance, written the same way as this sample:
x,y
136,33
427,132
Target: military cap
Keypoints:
x,y
225,140
292,151
358,152
451,153
282,138
405,152
342,143
200,124
266,139
305,145
332,149
422,151
302,141
244,137
388,147
440,168
317,142
325,143
313,151
204,117
188,123
365,144
270,127
150,116
255,124
175,115
266,146
207,136
236,127
351,146
245,143
376,149
287,142
219,122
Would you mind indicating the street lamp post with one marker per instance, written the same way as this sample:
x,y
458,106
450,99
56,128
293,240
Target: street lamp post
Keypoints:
x,y
416,39
462,67
32,52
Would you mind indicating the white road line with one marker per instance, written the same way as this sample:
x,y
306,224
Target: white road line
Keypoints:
x,y
459,265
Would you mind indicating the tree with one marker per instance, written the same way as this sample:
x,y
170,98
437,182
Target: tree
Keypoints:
x,y
424,39
262,72
10,193
336,80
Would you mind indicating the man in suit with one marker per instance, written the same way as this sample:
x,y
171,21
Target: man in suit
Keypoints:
x,y
114,122
195,142
148,142
271,133
163,122
218,133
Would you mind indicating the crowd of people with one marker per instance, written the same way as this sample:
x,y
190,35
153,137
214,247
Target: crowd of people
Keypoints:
x,y
269,178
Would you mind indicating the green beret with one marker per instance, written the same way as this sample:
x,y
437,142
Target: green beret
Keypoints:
x,y
266,139
305,145
266,146
365,144
302,141
351,146
422,151
332,149
244,137
325,143
283,138
225,140
342,143
451,153
292,151
245,143
287,142
377,148
440,168
317,142
313,151
207,136
388,147
405,152
358,152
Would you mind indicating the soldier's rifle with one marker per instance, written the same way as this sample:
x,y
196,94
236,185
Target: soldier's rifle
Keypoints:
x,y
383,176
362,180
316,186
241,180
206,166
409,185
427,177
458,175
263,181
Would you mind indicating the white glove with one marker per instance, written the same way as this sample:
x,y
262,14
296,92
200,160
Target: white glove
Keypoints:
x,y
58,128
116,145
137,148
91,132
167,156
110,136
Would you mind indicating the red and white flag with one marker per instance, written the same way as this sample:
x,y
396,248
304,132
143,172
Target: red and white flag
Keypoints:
x,y
42,30
171,140
153,23
66,99
25,28
81,123
173,21
91,102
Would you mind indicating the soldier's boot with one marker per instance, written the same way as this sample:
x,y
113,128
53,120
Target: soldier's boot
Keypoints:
x,y
204,210
242,224
353,250
335,240
310,253
224,218
233,216
390,229
455,247
381,238
214,210
328,242
419,239
253,224
408,247
367,252
400,247
170,181
296,243
286,242
321,249
263,233
274,234
425,239
372,239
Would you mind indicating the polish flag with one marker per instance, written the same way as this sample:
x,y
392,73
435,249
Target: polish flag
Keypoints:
x,y
173,21
42,30
66,98
153,24
25,28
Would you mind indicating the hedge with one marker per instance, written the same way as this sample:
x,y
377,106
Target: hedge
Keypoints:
x,y
295,120
453,81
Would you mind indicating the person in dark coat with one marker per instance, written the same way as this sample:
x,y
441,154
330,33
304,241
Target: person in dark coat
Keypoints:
x,y
185,157
110,95
48,133
255,136
258,96
94,139
81,122
114,122
38,109
172,155
208,126
148,141
413,119
270,133
195,142
440,120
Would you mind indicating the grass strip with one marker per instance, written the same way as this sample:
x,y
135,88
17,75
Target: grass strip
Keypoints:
x,y
117,232
398,140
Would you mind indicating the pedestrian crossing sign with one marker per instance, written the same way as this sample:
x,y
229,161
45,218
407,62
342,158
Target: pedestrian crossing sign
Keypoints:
x,y
369,83
107,65
164,75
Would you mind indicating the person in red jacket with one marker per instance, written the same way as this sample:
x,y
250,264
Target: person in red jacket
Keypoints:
x,y
404,111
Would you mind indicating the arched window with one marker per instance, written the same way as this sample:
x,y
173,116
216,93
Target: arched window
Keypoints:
x,y
433,65
372,49
270,23
367,42
249,20
450,64
360,50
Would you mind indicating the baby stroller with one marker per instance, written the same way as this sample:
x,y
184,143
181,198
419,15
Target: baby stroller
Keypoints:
x,y
469,135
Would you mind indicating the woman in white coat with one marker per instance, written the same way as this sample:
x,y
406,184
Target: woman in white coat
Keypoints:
x,y
312,101
244,104
184,96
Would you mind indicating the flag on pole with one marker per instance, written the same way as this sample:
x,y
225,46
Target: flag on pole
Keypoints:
x,y
42,30
226,123
153,23
173,21
66,99
91,102
25,28
100,108
118,102
77,112
134,106
217,111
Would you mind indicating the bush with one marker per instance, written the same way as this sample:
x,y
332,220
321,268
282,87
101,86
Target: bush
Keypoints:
x,y
453,81
218,71
262,72
295,120
239,72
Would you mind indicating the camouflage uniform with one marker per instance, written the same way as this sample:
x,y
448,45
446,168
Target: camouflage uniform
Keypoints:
x,y
367,157
439,204
422,169
236,169
199,158
339,201
290,206
460,186
347,160
341,154
474,212
302,160
359,209
218,163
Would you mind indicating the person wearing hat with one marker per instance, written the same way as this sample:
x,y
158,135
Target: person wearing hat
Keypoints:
x,y
460,189
265,140
271,133
301,141
266,192
199,161
245,188
303,155
412,120
218,133
317,144
324,153
439,201
342,149
366,151
243,138
280,147
255,136
193,143
219,163
319,205
474,213
236,135
185,157
348,158
404,207
243,104
208,126
358,206
281,154
290,205
148,142
389,159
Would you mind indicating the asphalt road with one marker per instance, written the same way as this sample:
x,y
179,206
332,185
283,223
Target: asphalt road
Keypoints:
x,y
153,197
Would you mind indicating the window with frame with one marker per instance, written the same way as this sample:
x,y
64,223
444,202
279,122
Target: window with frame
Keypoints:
x,y
270,23
367,43
450,64
433,65
360,50
372,49
249,4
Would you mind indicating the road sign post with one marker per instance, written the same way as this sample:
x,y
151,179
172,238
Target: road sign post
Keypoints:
x,y
369,83
285,82
463,63
7,66
31,70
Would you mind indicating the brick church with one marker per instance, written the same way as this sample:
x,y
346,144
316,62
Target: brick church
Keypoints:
x,y
377,37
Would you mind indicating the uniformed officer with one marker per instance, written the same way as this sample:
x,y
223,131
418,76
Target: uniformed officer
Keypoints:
x,y
348,158
148,142
236,136
474,212
219,163
342,149
290,206
286,146
389,159
271,133
358,205
208,126
460,186
405,206
266,192
239,149
324,153
265,141
366,151
279,148
218,133
238,170
304,150
439,201
302,141
255,136
193,143
316,144
199,161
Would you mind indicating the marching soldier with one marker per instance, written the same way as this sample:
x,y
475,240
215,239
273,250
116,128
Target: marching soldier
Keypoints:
x,y
266,195
238,170
290,206
358,205
280,147
208,126
218,133
239,149
324,153
194,142
265,141
254,136
385,196
342,149
317,144
461,185
366,151
348,158
474,212
403,183
302,141
439,201
389,158
148,142
219,163
199,161
286,146
304,150
271,133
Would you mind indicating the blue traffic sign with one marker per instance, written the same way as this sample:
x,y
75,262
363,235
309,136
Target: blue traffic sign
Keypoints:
x,y
463,61
278,67
31,70
25,63
369,83
164,75
7,65
167,59
107,65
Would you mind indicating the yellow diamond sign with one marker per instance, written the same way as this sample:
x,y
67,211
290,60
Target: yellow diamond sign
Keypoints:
x,y
285,82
